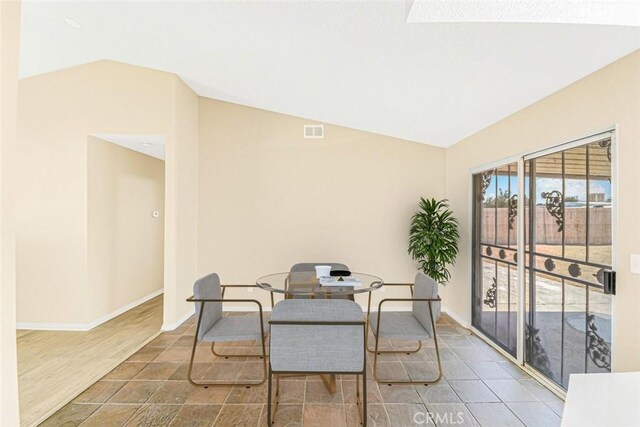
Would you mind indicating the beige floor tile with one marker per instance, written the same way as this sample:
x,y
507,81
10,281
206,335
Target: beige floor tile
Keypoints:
x,y
239,415
473,391
252,371
136,392
318,415
164,340
196,416
446,354
349,392
391,371
457,370
157,371
174,354
126,371
510,391
494,414
172,392
291,391
244,395
421,371
152,399
451,414
403,414
146,354
110,415
223,371
71,415
288,415
213,395
398,393
153,415
100,392
489,370
535,414
437,393
557,407
376,415
316,392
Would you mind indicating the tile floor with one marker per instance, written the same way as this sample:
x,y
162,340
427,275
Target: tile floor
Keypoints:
x,y
480,387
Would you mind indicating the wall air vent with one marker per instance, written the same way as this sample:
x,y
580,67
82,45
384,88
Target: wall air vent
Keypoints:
x,y
313,131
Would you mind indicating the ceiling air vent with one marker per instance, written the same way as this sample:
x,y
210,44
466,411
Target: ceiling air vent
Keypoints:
x,y
313,131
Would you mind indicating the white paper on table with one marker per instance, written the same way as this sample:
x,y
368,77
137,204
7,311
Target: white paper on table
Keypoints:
x,y
333,281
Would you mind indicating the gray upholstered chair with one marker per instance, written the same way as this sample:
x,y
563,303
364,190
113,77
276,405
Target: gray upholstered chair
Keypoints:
x,y
311,267
317,336
418,324
212,326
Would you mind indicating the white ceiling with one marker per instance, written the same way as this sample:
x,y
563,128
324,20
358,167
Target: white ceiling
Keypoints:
x,y
600,12
357,64
151,145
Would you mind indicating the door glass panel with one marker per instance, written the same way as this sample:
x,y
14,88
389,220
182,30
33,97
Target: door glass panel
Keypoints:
x,y
568,317
495,255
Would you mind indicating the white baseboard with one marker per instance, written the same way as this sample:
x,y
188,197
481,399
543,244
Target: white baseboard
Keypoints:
x,y
171,326
53,326
455,317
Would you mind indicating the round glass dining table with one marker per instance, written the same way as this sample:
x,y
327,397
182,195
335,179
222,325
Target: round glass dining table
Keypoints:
x,y
306,284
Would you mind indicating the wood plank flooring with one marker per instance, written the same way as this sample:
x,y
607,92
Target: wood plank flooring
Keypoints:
x,y
54,366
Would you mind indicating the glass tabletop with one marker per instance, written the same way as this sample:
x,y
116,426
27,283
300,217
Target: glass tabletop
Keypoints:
x,y
306,283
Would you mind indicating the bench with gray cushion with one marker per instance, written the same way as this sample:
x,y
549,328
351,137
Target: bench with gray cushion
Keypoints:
x,y
318,336
212,326
415,325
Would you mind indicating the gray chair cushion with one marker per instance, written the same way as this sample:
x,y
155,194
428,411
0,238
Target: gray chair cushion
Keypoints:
x,y
208,287
399,325
317,348
425,287
311,266
237,328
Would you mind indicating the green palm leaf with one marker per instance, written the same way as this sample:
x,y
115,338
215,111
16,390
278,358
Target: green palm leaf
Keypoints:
x,y
433,238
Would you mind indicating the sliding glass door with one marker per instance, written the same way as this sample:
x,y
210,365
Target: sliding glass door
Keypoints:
x,y
568,316
495,290
567,229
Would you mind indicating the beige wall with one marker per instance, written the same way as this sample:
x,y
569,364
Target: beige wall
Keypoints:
x,y
607,97
125,242
57,111
181,239
9,42
269,198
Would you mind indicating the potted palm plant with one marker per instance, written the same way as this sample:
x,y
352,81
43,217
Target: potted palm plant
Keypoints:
x,y
433,239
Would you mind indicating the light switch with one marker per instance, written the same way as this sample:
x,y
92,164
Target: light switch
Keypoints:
x,y
155,214
635,263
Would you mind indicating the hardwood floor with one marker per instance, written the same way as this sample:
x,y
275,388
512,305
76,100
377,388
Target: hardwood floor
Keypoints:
x,y
54,367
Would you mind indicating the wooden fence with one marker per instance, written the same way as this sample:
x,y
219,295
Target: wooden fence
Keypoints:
x,y
547,228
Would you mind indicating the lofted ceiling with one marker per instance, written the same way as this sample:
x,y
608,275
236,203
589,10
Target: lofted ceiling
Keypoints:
x,y
351,63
